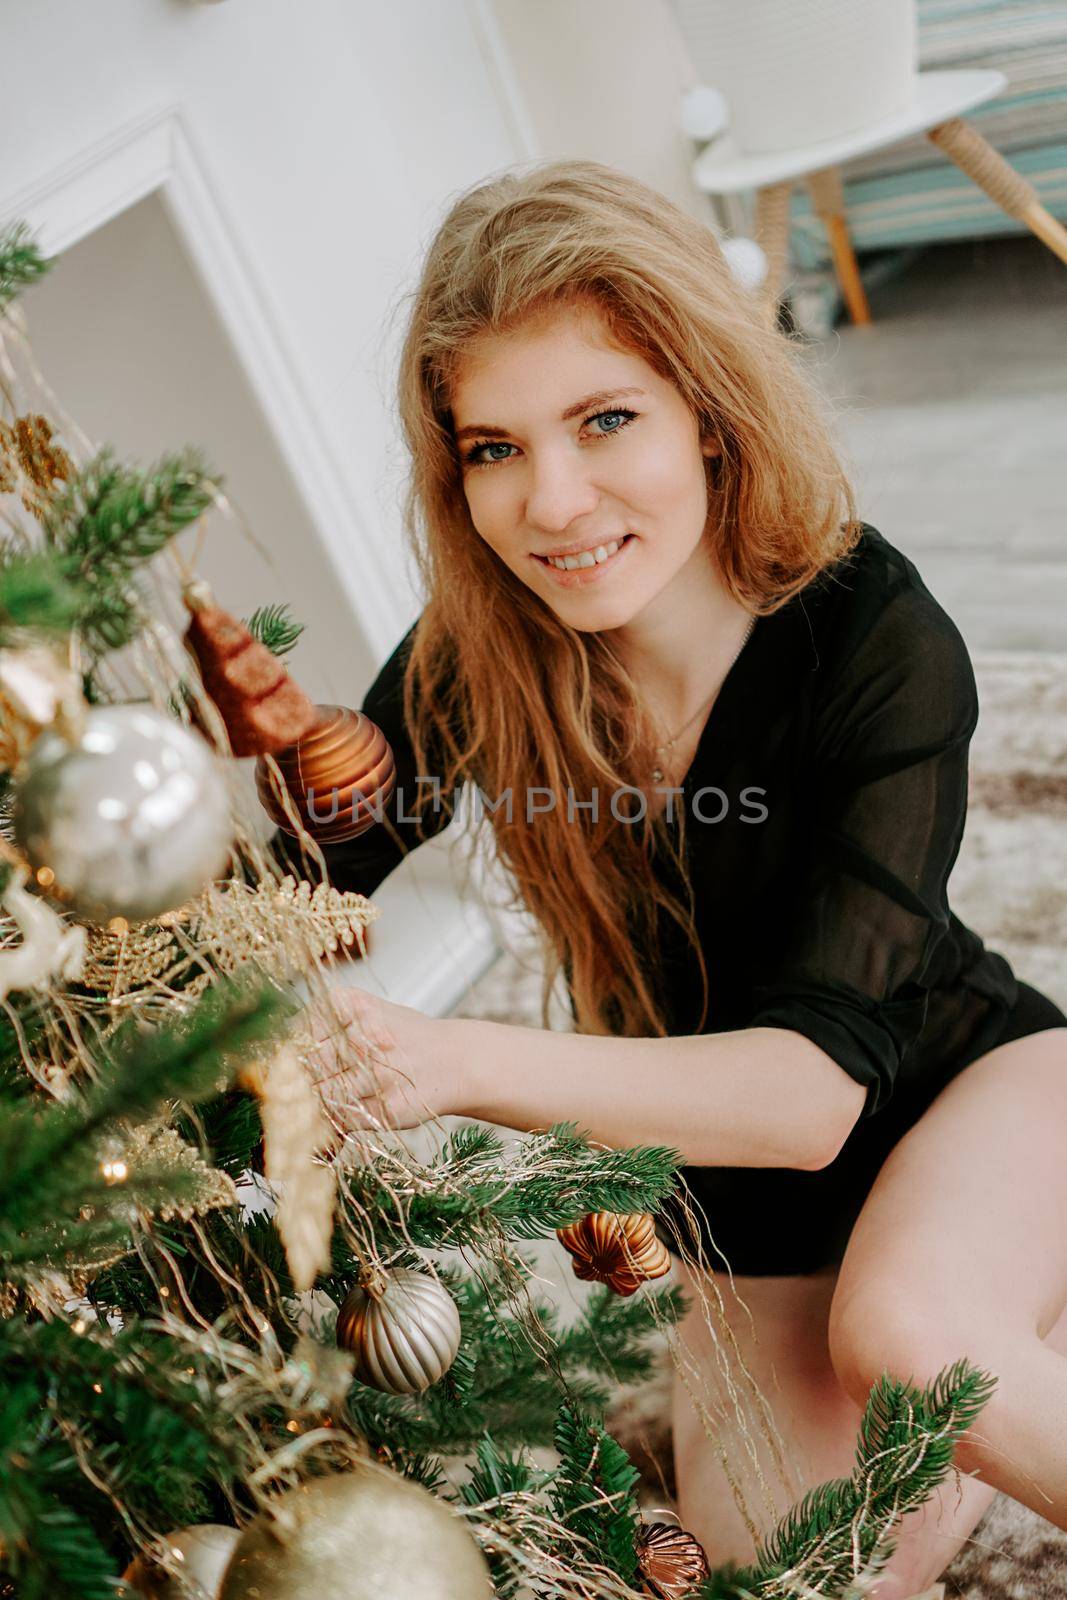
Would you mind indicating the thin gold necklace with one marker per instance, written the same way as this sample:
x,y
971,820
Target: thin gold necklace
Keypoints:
x,y
661,749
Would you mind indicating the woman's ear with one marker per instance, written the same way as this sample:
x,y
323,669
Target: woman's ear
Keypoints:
x,y
710,446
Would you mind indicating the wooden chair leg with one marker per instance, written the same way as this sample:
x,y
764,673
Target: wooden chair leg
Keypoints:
x,y
771,228
1006,187
828,202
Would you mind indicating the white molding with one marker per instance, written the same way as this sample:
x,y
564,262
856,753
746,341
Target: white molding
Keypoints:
x,y
429,967
156,154
505,80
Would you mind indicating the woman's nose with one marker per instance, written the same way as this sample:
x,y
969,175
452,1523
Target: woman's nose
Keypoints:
x,y
560,490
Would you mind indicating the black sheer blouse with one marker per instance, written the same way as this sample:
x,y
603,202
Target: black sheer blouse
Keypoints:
x,y
824,809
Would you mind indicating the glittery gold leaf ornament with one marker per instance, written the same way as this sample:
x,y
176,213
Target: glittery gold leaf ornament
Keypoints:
x,y
281,927
31,461
145,967
165,1153
672,1561
294,1130
157,1152
619,1250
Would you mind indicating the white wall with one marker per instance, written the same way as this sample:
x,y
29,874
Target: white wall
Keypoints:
x,y
332,135
605,83
136,355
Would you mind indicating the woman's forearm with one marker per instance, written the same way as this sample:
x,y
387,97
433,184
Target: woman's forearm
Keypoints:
x,y
757,1097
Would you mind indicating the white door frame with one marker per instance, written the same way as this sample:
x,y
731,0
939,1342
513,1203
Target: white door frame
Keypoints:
x,y
432,945
156,155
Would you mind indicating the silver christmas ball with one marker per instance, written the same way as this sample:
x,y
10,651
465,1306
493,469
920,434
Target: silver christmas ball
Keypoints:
x,y
132,820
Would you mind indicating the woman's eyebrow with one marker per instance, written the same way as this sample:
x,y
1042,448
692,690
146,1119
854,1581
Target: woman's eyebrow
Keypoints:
x,y
487,431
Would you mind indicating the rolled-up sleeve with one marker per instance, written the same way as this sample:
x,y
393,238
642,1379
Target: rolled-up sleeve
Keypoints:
x,y
869,908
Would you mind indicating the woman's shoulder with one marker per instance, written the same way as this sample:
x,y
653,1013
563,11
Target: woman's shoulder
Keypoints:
x,y
883,639
875,600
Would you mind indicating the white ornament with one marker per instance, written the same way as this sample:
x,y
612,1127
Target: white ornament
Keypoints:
x,y
746,261
705,113
132,818
50,948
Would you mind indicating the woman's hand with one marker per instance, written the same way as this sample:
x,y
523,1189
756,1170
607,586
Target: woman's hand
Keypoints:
x,y
379,1064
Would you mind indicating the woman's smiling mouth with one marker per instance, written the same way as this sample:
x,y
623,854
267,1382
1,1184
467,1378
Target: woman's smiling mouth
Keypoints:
x,y
584,566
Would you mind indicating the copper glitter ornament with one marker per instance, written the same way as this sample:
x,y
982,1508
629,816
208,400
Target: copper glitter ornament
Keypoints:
x,y
339,777
261,707
403,1329
672,1561
621,1251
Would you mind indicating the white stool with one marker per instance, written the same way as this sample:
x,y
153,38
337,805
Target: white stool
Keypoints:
x,y
940,100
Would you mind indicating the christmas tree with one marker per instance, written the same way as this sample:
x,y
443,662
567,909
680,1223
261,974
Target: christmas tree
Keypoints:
x,y
244,1348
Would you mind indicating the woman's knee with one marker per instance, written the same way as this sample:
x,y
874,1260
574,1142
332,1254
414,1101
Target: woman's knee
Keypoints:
x,y
884,1326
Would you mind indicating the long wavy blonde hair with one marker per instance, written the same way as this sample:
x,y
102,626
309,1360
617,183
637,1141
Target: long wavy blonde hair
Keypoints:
x,y
497,689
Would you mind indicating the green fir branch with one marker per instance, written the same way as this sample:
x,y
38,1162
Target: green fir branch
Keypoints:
x,y
50,1158
593,1492
21,261
906,1443
563,1178
273,626
613,1335
110,519
36,594
496,1479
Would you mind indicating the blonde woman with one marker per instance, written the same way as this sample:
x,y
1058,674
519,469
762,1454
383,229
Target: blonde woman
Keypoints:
x,y
733,726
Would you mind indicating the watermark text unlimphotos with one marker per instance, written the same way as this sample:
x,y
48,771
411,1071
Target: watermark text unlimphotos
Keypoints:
x,y
627,805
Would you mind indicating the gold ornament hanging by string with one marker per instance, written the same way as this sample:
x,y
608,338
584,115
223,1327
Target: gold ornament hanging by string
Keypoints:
x,y
672,1561
403,1329
338,778
622,1251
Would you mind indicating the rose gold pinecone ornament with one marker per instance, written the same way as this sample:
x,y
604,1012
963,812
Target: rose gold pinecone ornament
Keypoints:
x,y
619,1250
262,709
672,1561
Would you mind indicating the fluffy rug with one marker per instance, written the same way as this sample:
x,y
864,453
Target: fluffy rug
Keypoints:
x,y
1010,885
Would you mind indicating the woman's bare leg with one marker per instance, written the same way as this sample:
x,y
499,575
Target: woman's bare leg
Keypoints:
x,y
786,1349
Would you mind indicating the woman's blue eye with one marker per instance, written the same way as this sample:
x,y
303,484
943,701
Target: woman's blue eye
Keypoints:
x,y
475,457
602,414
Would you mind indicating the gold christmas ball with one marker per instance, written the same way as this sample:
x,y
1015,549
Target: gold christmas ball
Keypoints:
x,y
622,1251
403,1329
339,777
367,1534
201,1554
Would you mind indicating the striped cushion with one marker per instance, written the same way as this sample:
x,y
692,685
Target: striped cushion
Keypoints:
x,y
908,193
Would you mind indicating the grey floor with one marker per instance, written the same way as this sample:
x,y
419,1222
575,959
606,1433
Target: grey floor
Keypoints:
x,y
952,409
